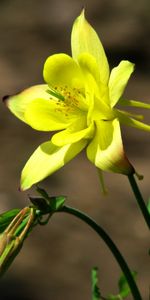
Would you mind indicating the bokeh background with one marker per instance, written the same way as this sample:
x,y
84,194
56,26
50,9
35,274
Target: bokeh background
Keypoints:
x,y
56,261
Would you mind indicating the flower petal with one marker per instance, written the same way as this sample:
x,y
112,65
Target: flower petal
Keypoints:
x,y
47,159
106,149
62,70
73,133
118,80
47,115
88,64
91,74
18,103
85,39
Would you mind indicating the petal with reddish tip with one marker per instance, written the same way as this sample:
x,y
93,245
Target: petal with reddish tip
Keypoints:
x,y
106,149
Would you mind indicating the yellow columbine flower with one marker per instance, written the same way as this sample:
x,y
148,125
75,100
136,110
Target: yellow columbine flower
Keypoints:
x,y
79,98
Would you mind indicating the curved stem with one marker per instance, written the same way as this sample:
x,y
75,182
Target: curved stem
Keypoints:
x,y
118,256
139,199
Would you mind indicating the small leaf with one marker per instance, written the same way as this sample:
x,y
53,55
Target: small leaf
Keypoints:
x,y
57,202
114,297
40,203
124,289
95,289
42,192
46,203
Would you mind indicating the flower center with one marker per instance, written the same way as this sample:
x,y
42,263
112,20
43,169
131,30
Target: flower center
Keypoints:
x,y
68,100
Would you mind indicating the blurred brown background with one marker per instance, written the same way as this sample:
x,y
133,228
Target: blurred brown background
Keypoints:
x,y
56,260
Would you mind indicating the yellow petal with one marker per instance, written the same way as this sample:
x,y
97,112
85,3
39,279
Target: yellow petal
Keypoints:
x,y
118,80
47,115
88,64
47,159
74,133
91,74
18,103
62,70
85,39
106,149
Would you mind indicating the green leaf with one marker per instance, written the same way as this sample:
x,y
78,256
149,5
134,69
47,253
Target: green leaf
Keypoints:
x,y
124,289
42,192
7,217
40,203
114,297
47,204
54,202
57,202
95,289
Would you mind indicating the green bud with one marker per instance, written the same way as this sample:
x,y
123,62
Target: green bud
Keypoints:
x,y
11,240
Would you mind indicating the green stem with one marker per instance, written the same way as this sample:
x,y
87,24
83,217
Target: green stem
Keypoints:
x,y
139,199
118,256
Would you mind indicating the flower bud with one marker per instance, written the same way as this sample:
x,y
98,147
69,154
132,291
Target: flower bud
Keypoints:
x,y
11,240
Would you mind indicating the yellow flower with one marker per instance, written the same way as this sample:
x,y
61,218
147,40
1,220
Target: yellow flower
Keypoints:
x,y
79,99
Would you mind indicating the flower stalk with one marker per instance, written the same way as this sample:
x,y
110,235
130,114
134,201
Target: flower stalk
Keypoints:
x,y
139,199
110,244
